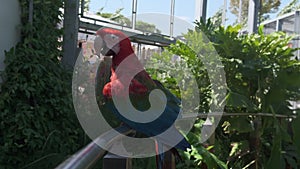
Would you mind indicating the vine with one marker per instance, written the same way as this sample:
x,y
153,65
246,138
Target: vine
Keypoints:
x,y
38,126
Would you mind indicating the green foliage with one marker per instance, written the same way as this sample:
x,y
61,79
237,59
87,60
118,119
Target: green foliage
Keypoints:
x,y
261,81
121,19
290,7
216,19
261,78
200,156
147,27
193,63
116,16
86,5
268,79
266,7
38,125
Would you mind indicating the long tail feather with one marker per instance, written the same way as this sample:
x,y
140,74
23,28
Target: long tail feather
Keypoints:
x,y
176,154
159,155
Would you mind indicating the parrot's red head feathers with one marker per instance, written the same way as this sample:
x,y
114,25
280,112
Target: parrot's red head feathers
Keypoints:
x,y
107,31
115,43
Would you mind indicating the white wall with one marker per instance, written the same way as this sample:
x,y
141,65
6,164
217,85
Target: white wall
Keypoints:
x,y
9,21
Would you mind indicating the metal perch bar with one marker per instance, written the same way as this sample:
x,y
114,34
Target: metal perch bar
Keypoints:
x,y
89,155
205,115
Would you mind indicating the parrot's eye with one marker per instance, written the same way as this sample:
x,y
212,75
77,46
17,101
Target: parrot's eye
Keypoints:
x,y
114,36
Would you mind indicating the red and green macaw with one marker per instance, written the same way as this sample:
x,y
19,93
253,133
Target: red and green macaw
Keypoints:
x,y
114,43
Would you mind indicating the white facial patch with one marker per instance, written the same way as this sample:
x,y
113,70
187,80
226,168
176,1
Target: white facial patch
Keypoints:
x,y
111,40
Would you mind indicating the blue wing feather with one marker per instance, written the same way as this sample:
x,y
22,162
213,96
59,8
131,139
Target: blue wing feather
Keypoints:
x,y
162,123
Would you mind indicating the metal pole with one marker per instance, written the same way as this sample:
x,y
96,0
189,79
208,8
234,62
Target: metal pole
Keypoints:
x,y
297,32
224,13
240,11
200,10
82,7
278,25
30,17
172,18
134,10
139,50
71,25
253,16
203,9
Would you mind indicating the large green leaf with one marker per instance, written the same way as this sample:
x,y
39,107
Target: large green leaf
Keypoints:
x,y
276,159
210,159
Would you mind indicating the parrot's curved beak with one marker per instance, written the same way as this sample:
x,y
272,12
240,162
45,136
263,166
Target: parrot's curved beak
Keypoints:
x,y
98,44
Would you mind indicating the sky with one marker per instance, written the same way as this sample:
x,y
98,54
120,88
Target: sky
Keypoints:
x,y
158,11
